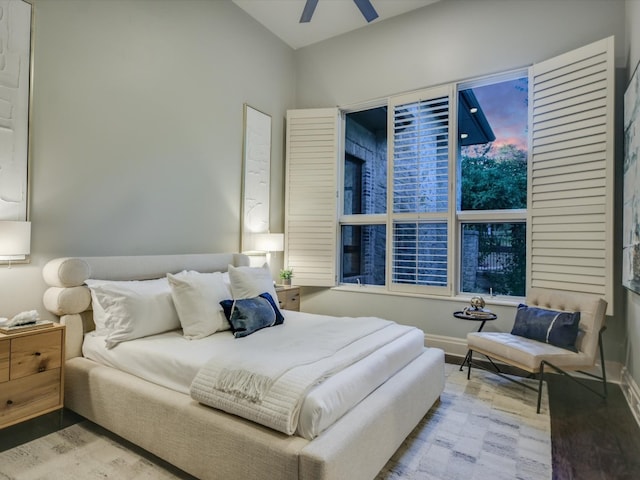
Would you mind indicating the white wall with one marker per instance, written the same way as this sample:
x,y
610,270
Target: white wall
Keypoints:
x,y
447,41
137,129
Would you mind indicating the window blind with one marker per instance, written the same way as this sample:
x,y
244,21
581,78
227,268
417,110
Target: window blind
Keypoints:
x,y
570,211
420,152
311,196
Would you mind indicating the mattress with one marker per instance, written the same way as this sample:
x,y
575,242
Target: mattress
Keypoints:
x,y
172,361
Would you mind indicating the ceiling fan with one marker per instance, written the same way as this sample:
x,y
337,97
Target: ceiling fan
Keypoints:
x,y
365,7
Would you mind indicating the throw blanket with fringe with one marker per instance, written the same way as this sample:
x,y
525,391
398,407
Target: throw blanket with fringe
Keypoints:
x,y
266,377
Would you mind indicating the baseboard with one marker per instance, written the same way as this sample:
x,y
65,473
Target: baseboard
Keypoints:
x,y
631,392
458,347
450,345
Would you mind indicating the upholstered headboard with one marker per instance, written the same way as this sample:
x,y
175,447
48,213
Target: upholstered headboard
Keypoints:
x,y
69,298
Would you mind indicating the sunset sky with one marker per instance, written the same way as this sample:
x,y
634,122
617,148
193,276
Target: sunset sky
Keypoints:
x,y
505,106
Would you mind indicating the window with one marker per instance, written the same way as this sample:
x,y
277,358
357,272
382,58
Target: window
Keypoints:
x,y
485,215
364,193
363,254
419,187
492,199
493,258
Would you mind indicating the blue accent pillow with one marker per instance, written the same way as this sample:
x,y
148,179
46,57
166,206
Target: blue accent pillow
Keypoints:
x,y
549,326
249,315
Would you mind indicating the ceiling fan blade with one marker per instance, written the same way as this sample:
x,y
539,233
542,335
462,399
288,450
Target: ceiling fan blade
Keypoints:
x,y
307,13
367,9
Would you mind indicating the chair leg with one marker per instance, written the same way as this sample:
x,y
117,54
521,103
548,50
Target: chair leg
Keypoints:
x,y
540,386
603,376
602,366
575,379
470,358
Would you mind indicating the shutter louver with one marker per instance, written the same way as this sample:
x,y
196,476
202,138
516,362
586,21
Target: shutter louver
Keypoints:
x,y
310,197
420,152
570,212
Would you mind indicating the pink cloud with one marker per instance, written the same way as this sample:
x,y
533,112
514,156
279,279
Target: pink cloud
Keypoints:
x,y
505,106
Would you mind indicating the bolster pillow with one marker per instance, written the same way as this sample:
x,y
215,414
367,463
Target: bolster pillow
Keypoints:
x,y
66,301
66,272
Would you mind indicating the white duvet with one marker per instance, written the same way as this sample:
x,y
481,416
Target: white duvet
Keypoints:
x,y
172,361
266,377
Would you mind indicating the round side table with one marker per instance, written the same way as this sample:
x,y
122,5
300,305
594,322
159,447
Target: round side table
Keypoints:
x,y
486,317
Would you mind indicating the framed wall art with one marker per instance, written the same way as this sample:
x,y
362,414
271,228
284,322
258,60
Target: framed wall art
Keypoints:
x,y
631,194
15,39
256,170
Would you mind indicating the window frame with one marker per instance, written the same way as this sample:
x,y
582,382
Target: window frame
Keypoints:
x,y
360,219
453,217
483,216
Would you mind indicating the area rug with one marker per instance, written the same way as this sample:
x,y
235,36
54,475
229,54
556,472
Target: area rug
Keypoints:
x,y
484,428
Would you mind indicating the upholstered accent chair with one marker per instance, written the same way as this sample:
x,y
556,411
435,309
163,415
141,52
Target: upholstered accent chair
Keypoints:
x,y
533,355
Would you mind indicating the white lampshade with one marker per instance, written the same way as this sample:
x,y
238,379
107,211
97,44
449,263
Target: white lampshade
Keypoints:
x,y
15,240
268,242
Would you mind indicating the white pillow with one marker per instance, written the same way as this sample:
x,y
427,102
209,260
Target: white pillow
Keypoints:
x,y
249,282
135,309
99,316
197,298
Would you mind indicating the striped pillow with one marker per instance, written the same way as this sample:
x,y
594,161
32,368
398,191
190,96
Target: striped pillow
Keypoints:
x,y
549,326
249,315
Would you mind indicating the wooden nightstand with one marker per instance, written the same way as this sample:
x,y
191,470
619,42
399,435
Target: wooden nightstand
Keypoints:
x,y
31,374
288,297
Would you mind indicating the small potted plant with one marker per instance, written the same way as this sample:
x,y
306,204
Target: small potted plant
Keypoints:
x,y
285,275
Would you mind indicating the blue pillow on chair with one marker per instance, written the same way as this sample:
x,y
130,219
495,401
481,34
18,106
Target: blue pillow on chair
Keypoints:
x,y
548,326
249,315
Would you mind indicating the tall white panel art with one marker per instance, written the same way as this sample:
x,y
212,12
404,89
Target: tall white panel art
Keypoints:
x,y
15,46
256,176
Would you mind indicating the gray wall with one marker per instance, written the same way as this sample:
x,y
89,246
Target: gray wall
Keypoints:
x,y
137,129
448,41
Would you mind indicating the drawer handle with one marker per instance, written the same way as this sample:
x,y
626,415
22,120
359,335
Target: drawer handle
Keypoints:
x,y
9,402
37,354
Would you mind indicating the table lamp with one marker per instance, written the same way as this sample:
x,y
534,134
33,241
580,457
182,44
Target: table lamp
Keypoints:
x,y
15,240
269,242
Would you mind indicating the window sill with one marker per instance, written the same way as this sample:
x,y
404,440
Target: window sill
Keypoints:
x,y
464,298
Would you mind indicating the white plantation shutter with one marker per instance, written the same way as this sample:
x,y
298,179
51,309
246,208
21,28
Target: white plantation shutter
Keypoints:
x,y
570,211
311,196
420,152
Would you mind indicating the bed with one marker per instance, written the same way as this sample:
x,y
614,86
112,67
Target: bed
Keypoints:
x,y
160,415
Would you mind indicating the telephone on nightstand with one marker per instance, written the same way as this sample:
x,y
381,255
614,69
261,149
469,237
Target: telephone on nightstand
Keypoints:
x,y
22,321
22,318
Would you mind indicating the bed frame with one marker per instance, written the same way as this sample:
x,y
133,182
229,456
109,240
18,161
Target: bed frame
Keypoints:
x,y
209,443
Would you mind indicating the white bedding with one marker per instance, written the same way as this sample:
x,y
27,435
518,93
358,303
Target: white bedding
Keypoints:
x,y
266,377
172,361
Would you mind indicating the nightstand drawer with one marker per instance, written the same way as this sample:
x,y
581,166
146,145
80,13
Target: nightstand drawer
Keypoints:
x,y
30,395
35,354
4,360
289,298
34,382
